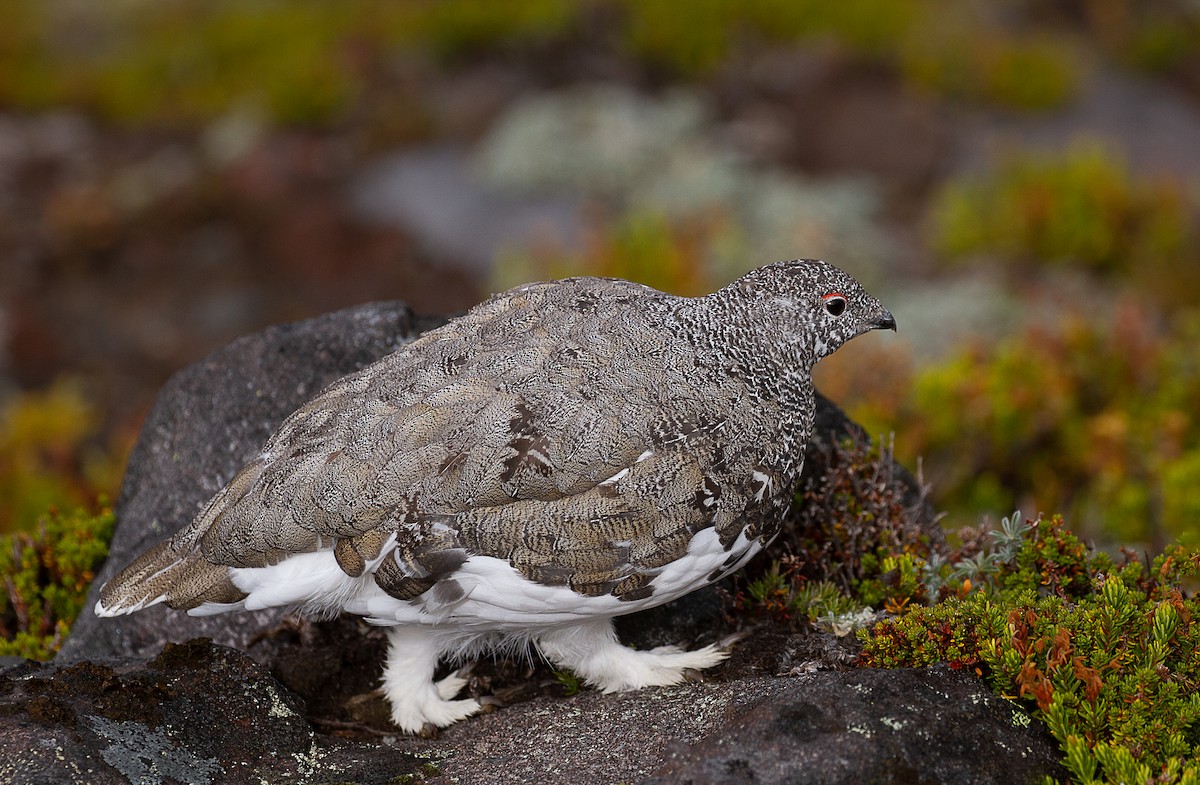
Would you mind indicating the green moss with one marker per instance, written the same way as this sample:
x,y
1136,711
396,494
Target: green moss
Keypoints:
x,y
1082,208
1107,656
46,575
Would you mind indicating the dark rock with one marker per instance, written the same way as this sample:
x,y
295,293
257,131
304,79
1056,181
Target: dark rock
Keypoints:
x,y
900,726
201,713
906,726
675,623
197,713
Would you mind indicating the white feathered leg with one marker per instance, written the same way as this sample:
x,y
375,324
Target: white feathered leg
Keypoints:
x,y
593,652
417,701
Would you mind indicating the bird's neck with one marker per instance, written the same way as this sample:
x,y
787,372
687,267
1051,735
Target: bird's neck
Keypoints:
x,y
774,360
732,339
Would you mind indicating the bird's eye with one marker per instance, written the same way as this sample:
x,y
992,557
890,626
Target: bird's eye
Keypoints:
x,y
835,304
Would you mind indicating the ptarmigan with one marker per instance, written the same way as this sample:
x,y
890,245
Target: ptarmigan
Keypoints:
x,y
562,454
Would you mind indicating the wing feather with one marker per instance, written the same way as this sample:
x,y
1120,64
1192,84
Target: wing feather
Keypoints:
x,y
502,434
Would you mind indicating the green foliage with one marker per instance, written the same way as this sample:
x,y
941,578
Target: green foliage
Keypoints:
x,y
1109,655
644,247
697,42
933,45
955,58
312,61
52,457
1051,559
1082,209
52,454
655,27
949,632
298,61
1160,36
461,28
568,680
46,575
788,598
189,63
1096,417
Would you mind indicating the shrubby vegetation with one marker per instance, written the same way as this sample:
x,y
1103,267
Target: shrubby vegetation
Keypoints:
x,y
54,466
46,574
298,62
1105,651
851,539
1090,407
307,62
932,45
1080,209
1107,654
1156,36
1096,417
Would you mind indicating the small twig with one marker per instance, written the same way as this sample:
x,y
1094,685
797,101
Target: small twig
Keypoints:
x,y
357,727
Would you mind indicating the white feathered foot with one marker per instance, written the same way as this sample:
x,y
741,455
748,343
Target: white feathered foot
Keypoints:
x,y
591,650
418,701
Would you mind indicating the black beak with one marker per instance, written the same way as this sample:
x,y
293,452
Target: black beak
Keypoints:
x,y
885,322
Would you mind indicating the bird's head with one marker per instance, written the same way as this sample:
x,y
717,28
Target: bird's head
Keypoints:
x,y
813,305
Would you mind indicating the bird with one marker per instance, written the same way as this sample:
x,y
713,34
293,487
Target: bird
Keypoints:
x,y
564,453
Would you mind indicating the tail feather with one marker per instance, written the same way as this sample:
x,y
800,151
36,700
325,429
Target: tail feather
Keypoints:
x,y
162,574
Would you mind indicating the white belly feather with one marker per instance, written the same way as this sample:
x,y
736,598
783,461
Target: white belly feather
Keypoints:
x,y
494,597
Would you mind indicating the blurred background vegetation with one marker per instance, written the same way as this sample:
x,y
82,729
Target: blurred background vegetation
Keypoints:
x,y
1017,179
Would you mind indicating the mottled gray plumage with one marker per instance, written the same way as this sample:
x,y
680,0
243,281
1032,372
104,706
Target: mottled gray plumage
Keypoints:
x,y
581,432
